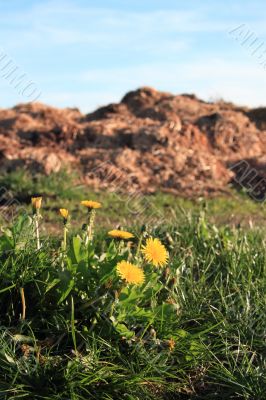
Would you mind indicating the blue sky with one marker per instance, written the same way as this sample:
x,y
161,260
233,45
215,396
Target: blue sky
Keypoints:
x,y
89,53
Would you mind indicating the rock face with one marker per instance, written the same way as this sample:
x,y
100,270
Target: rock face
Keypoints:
x,y
149,141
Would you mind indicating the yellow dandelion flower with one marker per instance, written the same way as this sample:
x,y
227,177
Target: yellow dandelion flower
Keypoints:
x,y
90,204
64,213
155,252
116,233
36,202
130,272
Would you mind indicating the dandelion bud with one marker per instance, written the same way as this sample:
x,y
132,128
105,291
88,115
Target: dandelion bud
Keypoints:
x,y
36,202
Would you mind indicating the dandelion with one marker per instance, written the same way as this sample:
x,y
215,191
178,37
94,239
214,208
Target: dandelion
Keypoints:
x,y
65,214
155,252
117,234
91,206
130,273
36,205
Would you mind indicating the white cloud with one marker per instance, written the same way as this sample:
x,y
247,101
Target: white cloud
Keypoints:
x,y
217,79
158,47
67,23
196,70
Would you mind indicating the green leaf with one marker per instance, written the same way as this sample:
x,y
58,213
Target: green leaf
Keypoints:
x,y
67,284
51,285
195,350
107,271
129,296
6,242
66,291
76,241
124,331
7,288
73,330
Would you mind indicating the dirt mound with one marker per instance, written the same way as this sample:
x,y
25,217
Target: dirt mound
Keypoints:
x,y
151,140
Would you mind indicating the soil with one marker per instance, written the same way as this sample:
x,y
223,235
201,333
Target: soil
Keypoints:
x,y
149,141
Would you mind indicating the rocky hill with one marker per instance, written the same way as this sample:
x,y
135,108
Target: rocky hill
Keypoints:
x,y
150,140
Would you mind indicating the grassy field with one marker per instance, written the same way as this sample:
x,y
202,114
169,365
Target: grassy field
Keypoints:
x,y
73,328
64,190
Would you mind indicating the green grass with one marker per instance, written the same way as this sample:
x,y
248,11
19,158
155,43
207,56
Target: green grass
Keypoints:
x,y
87,335
67,190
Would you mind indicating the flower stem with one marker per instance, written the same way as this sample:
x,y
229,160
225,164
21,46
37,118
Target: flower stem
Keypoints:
x,y
37,232
139,245
23,301
89,237
65,238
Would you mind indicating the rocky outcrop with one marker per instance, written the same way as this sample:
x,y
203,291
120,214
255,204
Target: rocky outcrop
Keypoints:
x,y
155,140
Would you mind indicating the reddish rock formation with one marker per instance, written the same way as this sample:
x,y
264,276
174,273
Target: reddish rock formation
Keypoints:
x,y
153,140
